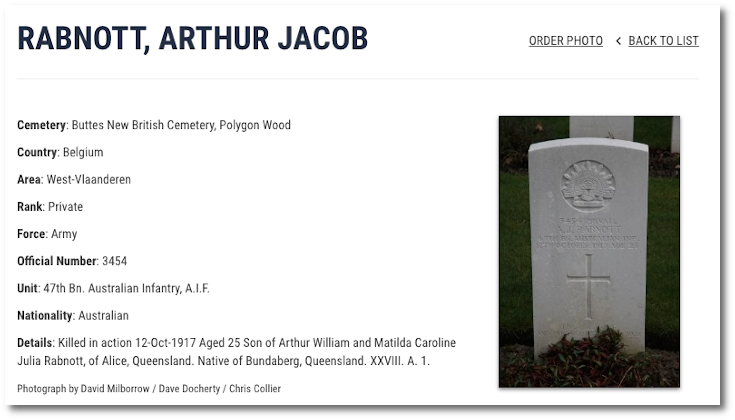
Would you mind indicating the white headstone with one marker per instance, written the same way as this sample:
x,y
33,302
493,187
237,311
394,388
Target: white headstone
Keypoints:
x,y
676,135
589,201
620,128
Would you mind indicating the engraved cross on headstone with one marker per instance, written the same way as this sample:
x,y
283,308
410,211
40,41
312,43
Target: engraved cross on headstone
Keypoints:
x,y
587,279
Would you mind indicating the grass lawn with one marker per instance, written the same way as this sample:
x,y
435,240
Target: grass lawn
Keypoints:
x,y
653,131
662,274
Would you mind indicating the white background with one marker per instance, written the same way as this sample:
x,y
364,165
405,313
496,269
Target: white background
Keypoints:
x,y
441,137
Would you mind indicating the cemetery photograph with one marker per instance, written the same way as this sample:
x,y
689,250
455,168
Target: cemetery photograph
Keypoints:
x,y
589,251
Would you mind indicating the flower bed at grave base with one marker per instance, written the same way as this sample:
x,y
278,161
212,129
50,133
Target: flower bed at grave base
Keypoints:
x,y
664,340
598,361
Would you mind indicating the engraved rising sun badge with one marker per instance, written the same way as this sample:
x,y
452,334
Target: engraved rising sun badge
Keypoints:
x,y
588,185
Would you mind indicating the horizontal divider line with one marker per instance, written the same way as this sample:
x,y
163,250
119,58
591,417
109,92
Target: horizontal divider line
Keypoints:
x,y
346,78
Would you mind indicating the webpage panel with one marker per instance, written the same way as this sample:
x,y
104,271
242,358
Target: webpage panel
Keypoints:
x,y
361,205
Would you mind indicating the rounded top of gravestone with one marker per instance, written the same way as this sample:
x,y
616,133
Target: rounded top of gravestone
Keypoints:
x,y
588,141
